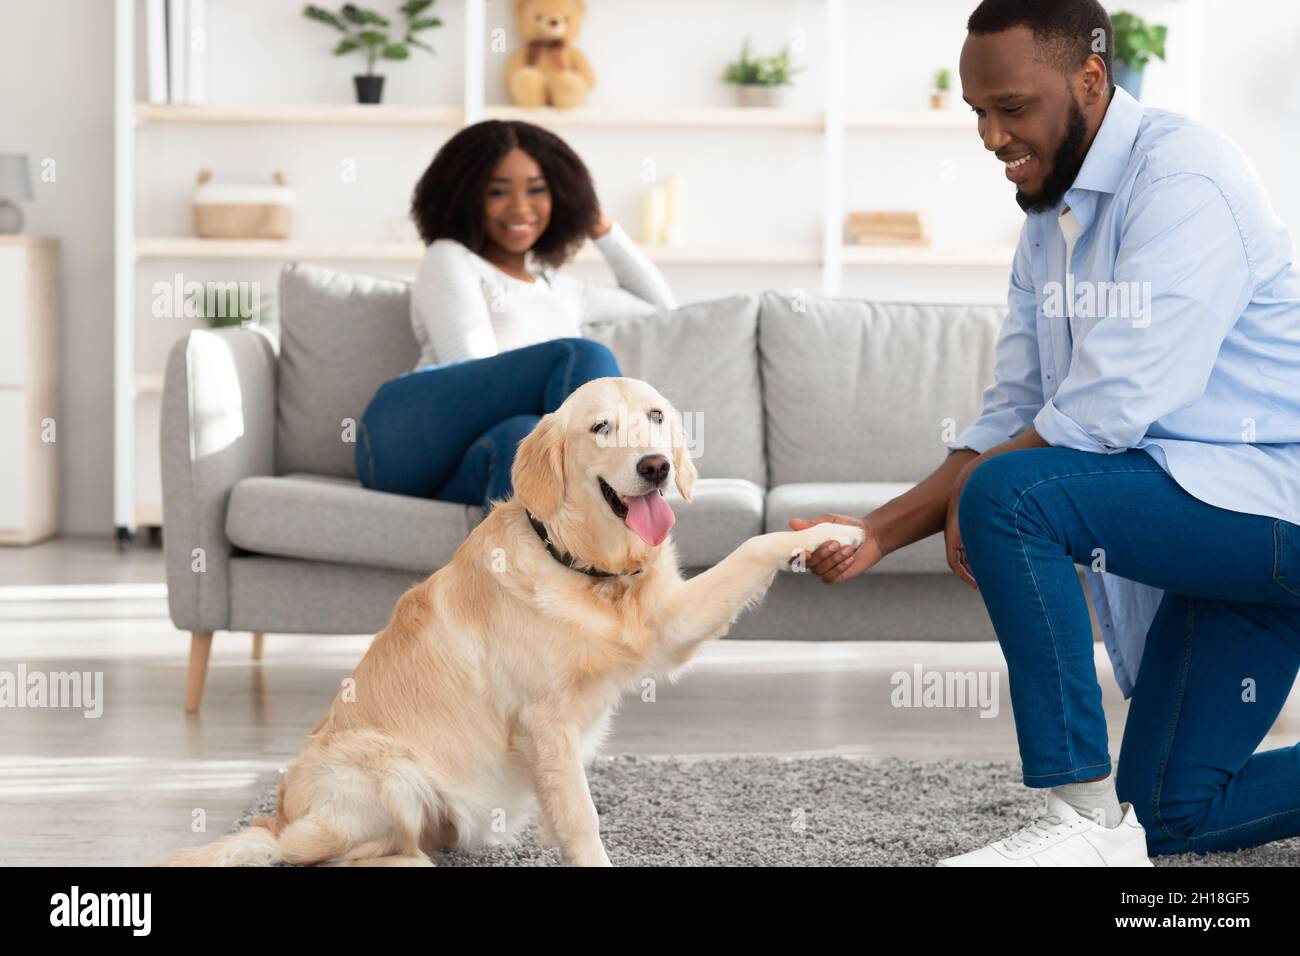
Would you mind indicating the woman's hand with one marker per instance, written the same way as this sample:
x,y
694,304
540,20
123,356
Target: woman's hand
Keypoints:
x,y
834,563
603,225
952,531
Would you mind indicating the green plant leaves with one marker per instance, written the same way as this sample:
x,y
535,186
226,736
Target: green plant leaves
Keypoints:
x,y
361,16
775,70
323,16
1136,41
373,42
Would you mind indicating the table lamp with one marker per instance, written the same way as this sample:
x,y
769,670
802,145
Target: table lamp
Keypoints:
x,y
15,183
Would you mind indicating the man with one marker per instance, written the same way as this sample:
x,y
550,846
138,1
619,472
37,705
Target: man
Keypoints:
x,y
1144,423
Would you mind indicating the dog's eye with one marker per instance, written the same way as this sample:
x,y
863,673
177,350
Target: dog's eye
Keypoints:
x,y
656,416
601,427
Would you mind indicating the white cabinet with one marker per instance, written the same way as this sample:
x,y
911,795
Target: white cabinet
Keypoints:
x,y
29,389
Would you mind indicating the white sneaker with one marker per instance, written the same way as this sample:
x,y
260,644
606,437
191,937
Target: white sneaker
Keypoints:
x,y
1061,837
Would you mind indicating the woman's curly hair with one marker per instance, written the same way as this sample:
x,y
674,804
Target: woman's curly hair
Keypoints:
x,y
448,199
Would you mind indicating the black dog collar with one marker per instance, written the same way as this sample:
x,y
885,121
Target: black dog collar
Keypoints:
x,y
567,559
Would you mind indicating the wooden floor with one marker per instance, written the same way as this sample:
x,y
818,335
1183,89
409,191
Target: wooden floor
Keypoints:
x,y
129,786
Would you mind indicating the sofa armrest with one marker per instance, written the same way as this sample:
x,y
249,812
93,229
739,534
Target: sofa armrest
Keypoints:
x,y
218,427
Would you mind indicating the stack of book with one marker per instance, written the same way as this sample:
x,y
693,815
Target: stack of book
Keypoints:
x,y
886,229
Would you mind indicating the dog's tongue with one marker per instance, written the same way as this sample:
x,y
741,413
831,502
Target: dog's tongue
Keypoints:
x,y
650,517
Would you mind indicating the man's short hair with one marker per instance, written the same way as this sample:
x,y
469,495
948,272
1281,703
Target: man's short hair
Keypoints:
x,y
1066,32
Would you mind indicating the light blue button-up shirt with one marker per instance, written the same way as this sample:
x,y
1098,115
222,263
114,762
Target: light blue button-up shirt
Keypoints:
x,y
1175,329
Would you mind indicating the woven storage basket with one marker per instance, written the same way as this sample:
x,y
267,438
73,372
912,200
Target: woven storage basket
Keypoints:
x,y
237,211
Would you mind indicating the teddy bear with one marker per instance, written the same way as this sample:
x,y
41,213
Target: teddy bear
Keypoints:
x,y
550,70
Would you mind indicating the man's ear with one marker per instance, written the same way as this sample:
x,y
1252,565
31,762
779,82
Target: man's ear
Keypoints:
x,y
538,470
683,468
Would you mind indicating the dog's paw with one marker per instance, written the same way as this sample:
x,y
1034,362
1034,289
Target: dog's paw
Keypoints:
x,y
819,534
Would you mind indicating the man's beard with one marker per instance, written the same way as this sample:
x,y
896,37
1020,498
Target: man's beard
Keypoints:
x,y
1065,165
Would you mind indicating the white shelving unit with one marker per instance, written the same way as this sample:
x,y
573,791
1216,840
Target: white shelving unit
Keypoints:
x,y
829,126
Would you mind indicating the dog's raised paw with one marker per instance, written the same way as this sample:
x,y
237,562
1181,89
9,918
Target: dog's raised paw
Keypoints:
x,y
847,534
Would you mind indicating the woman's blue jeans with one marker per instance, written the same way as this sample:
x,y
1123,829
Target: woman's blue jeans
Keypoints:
x,y
1220,657
450,432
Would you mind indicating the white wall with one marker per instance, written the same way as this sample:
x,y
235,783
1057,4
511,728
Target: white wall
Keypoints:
x,y
1251,90
56,103
745,187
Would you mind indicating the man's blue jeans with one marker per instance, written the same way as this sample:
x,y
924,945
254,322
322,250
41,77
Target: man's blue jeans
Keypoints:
x,y
1229,624
450,432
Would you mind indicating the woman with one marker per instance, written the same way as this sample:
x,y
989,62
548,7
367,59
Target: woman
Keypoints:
x,y
500,343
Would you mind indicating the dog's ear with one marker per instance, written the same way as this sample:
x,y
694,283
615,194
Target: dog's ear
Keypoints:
x,y
538,470
683,468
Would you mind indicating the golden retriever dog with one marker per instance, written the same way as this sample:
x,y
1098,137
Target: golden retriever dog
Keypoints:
x,y
496,678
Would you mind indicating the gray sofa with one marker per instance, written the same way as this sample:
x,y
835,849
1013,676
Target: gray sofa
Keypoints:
x,y
795,408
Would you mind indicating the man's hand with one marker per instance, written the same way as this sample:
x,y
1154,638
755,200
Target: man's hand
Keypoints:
x,y
1026,439
834,563
952,533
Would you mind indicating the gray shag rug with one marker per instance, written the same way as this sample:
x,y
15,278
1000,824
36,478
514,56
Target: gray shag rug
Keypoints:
x,y
803,811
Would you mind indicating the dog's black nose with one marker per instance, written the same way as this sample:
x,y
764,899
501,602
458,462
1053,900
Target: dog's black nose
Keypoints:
x,y
653,468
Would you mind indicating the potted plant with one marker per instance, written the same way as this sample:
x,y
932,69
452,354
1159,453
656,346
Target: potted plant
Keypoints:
x,y
761,81
1136,43
220,306
942,83
367,31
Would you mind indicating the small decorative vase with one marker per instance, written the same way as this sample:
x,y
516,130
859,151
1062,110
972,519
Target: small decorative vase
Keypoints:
x,y
370,88
1129,78
754,94
11,218
939,100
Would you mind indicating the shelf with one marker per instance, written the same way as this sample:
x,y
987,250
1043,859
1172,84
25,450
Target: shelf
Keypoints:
x,y
351,114
312,249
719,117
910,120
322,114
276,250
272,250
720,255
956,257
706,117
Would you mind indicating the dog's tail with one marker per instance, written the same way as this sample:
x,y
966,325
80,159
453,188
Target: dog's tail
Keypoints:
x,y
356,828
257,845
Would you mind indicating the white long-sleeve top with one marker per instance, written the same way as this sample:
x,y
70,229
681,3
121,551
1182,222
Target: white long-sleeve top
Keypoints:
x,y
464,307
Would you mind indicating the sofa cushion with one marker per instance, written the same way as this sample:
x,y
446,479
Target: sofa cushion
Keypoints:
x,y
704,359
865,391
854,498
343,334
319,518
723,513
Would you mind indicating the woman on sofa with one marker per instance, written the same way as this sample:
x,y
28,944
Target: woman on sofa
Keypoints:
x,y
501,342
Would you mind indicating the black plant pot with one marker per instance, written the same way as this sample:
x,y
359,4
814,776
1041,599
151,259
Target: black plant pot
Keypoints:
x,y
370,89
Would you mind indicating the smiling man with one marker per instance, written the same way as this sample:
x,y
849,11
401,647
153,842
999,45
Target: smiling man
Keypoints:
x,y
1144,423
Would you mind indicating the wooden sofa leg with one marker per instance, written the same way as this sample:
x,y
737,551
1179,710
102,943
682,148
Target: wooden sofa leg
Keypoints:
x,y
200,648
257,645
